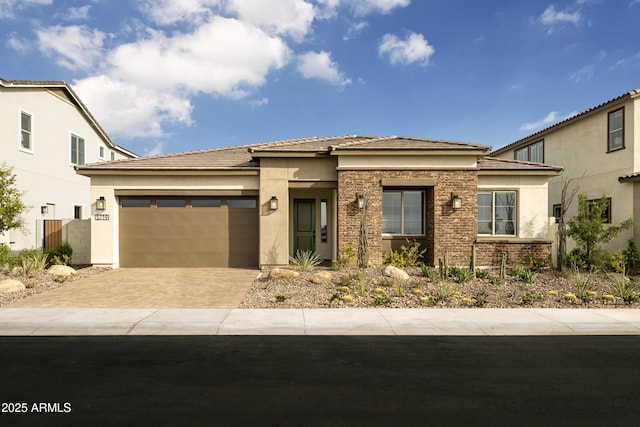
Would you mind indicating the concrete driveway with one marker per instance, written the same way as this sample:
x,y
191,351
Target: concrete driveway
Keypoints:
x,y
150,288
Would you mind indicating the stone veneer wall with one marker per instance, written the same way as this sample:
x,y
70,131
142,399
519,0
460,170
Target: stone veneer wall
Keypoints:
x,y
489,252
452,231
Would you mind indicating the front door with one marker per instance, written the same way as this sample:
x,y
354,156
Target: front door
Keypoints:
x,y
304,224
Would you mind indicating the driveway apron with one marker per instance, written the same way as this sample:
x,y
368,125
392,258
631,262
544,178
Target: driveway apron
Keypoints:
x,y
150,288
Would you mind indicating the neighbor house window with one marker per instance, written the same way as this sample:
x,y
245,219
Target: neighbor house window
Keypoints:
x,y
606,214
171,203
403,212
206,203
77,150
497,213
531,153
77,212
102,152
135,203
113,155
26,142
557,210
616,130
323,221
241,203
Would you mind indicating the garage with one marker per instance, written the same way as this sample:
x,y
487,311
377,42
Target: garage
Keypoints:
x,y
188,231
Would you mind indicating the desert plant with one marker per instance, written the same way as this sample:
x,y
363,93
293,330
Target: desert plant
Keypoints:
x,y
32,261
382,300
361,283
495,280
306,260
444,292
581,286
481,298
399,288
631,257
534,262
5,252
411,252
394,258
503,267
624,288
61,254
348,257
281,298
347,298
524,274
616,262
461,274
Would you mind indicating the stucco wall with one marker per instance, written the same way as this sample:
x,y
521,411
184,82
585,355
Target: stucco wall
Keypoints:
x,y
45,173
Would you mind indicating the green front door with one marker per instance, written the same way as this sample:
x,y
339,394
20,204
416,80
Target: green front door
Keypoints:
x,y
304,224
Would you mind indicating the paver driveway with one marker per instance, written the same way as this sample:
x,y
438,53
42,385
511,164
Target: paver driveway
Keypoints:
x,y
151,288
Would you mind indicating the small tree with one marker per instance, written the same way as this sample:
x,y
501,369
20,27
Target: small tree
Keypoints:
x,y
566,199
588,228
11,205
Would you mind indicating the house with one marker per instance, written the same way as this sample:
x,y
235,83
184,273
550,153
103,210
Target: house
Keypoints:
x,y
256,205
600,148
46,130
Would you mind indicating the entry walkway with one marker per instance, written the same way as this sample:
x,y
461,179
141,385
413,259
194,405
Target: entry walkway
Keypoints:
x,y
459,322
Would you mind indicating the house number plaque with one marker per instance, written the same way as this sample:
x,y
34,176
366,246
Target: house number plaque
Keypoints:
x,y
102,217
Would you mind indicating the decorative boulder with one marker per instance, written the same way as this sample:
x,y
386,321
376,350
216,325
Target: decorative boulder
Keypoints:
x,y
283,273
61,270
395,272
321,277
10,285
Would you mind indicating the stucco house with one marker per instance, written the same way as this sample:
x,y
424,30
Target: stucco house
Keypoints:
x,y
601,145
256,205
46,130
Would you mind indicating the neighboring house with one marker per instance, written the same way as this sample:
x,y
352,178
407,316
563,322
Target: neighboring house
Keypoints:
x,y
45,130
602,145
256,205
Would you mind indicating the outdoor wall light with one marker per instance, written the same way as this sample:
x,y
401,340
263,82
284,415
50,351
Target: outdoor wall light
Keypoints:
x,y
101,204
456,202
273,203
44,210
360,201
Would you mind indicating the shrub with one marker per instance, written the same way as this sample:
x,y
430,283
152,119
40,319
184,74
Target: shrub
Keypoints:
x,y
382,300
61,254
624,289
408,256
347,258
32,261
430,272
481,298
534,262
5,253
361,282
632,257
524,274
395,259
581,287
444,292
616,262
306,260
461,274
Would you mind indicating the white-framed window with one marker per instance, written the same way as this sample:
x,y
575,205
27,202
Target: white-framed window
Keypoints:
x,y
26,131
101,152
113,155
497,213
77,212
531,153
77,150
403,212
616,130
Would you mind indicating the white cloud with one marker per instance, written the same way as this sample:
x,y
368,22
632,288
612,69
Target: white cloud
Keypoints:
x,y
547,121
167,12
77,13
584,73
156,149
634,2
8,8
364,7
354,29
18,44
129,110
318,65
282,17
551,18
259,102
74,47
410,50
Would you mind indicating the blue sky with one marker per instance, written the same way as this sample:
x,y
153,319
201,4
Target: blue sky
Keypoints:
x,y
165,76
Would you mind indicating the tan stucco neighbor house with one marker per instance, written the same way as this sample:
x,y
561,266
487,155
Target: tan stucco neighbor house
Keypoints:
x,y
600,149
256,205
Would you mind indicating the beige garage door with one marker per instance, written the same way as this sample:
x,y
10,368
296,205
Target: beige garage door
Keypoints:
x,y
188,232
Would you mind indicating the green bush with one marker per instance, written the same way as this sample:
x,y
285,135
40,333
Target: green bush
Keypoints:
x,y
632,257
409,255
31,261
347,258
461,274
534,262
5,253
61,254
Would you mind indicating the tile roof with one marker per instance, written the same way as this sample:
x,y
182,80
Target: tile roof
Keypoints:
x,y
242,157
632,177
495,164
620,98
73,97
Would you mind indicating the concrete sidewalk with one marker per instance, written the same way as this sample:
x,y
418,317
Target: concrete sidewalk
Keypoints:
x,y
458,322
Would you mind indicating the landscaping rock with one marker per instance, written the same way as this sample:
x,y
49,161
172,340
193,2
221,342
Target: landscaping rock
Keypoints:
x,y
61,270
16,271
10,285
283,273
395,272
321,277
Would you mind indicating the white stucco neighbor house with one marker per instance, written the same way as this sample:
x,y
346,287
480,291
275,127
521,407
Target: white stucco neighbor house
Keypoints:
x,y
256,205
45,131
601,145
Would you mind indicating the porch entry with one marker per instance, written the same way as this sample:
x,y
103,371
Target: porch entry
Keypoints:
x,y
304,225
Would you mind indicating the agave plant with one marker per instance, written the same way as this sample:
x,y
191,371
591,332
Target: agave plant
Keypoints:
x,y
306,260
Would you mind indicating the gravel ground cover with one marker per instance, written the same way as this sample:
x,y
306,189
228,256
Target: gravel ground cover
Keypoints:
x,y
353,288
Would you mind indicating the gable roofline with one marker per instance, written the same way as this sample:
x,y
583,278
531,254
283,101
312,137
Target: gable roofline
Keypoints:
x,y
570,120
74,98
492,165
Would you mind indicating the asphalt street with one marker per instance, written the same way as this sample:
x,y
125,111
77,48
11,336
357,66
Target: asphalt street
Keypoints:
x,y
320,380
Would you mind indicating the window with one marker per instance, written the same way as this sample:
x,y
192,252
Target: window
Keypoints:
x,y
531,153
206,203
102,152
606,214
136,203
556,212
113,155
25,131
323,221
497,213
171,203
616,130
77,150
403,212
241,203
77,212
